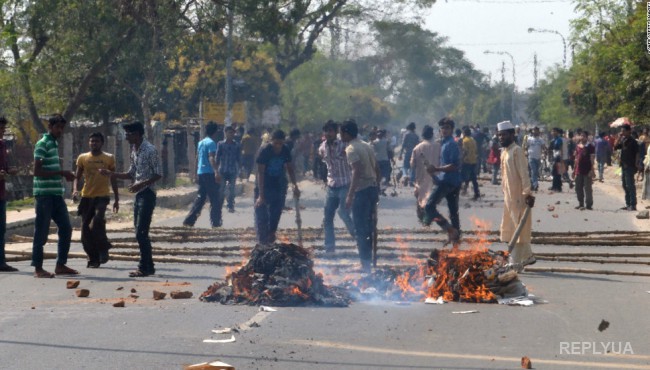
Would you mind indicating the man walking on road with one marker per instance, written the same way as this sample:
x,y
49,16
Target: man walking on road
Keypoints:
x,y
48,192
95,198
207,178
584,171
273,162
470,161
516,196
409,141
629,164
339,176
4,171
363,194
448,182
535,147
250,143
426,153
145,171
228,160
603,152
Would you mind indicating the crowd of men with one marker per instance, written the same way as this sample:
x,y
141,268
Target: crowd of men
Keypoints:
x,y
355,168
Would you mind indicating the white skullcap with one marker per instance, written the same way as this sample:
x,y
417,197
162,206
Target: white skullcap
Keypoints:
x,y
505,125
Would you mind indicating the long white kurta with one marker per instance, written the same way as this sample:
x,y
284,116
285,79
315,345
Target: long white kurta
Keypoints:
x,y
516,186
429,151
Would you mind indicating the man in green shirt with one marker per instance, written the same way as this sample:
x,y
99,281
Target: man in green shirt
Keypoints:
x,y
48,192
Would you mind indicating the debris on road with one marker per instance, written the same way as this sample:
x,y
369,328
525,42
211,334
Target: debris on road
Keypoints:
x,y
119,288
465,312
214,365
222,331
134,296
279,274
159,295
230,340
72,284
118,304
267,309
525,363
177,294
82,293
430,300
604,324
643,215
133,290
550,208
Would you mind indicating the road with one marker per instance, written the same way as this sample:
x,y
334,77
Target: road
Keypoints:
x,y
43,325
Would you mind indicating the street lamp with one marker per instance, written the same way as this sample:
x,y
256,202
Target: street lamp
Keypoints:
x,y
514,80
542,30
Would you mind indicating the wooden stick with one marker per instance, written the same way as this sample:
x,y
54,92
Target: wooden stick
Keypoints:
x,y
568,270
592,260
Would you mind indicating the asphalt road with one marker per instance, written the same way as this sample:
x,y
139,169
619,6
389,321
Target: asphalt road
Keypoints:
x,y
43,325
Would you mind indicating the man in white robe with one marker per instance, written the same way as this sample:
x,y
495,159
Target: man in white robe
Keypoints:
x,y
424,154
516,196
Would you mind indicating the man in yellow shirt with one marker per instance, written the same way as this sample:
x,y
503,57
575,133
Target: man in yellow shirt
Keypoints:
x,y
470,162
95,197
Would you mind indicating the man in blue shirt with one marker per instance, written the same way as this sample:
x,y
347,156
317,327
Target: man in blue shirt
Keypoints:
x,y
228,160
447,180
207,178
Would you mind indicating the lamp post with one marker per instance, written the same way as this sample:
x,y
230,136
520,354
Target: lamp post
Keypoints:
x,y
514,81
542,30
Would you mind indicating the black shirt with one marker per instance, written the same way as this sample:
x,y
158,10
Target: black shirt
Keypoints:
x,y
629,150
274,175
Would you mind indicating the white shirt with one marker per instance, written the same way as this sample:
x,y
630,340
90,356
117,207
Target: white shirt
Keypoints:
x,y
534,145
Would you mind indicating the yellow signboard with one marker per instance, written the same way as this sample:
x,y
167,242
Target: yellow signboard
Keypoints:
x,y
217,112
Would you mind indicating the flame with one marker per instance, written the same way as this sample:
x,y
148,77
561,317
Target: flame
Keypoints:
x,y
296,291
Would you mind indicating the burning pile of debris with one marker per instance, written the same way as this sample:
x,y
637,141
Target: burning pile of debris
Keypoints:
x,y
481,276
278,274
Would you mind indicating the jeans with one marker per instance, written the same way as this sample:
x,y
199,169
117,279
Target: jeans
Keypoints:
x,y
628,186
267,216
248,164
3,230
406,166
384,169
469,174
208,189
231,179
365,201
495,173
51,207
584,190
93,227
601,169
449,192
336,200
145,202
557,178
534,165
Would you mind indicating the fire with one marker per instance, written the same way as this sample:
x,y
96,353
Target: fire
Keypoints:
x,y
296,291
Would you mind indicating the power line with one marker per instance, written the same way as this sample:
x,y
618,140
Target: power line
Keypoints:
x,y
508,43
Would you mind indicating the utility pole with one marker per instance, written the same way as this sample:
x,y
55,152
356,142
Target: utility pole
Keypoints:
x,y
535,72
503,90
229,98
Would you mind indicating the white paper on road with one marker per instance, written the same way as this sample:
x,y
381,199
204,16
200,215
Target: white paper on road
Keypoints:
x,y
267,309
434,301
223,331
464,312
517,301
232,339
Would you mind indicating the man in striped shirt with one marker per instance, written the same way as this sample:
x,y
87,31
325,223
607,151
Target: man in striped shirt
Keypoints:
x,y
48,192
339,176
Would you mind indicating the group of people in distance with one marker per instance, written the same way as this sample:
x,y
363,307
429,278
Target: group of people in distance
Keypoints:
x,y
436,169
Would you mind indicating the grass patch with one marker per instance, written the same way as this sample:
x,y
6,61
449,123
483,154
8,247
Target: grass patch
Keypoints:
x,y
20,204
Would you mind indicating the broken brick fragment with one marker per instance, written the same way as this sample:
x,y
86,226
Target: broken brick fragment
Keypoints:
x,y
177,294
82,293
133,290
158,295
118,304
72,284
525,363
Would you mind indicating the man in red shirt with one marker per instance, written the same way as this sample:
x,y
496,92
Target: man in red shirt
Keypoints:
x,y
4,171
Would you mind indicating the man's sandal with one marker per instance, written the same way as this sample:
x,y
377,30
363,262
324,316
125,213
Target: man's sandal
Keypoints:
x,y
43,274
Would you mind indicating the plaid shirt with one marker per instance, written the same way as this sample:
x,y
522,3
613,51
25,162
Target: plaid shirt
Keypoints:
x,y
144,163
228,157
339,172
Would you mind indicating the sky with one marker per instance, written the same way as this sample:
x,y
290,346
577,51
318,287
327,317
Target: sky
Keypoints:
x,y
502,25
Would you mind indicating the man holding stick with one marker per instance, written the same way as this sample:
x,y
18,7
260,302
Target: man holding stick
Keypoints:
x,y
516,196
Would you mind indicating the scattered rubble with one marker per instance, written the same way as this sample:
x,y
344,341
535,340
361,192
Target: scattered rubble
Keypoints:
x,y
215,365
643,215
279,274
134,296
604,324
159,295
120,288
525,363
72,284
82,293
118,304
550,208
133,290
177,294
